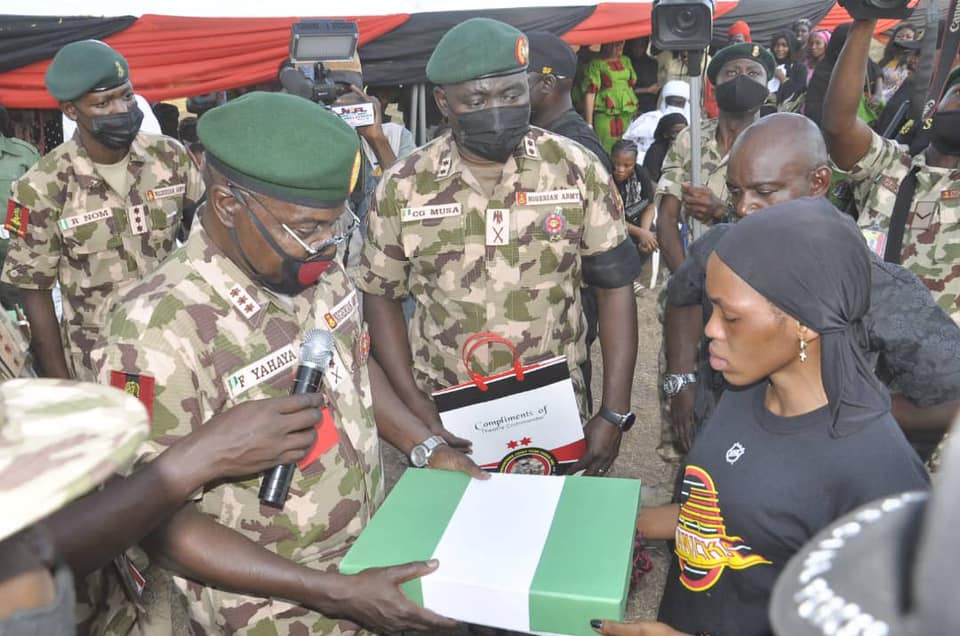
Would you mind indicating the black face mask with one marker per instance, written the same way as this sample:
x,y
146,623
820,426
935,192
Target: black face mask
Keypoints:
x,y
741,95
296,274
493,133
117,131
945,132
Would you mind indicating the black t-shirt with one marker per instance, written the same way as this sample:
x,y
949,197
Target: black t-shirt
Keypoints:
x,y
572,126
647,70
757,487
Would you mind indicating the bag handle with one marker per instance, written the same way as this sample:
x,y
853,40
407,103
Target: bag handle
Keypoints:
x,y
476,341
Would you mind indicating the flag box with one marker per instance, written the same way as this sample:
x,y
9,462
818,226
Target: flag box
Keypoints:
x,y
527,423
540,554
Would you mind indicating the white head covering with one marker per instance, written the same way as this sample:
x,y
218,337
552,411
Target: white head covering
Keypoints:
x,y
643,127
675,88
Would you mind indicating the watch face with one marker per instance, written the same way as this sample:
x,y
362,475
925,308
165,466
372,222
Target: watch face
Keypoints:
x,y
671,385
418,456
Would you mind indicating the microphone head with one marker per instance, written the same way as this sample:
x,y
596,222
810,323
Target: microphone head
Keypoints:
x,y
317,348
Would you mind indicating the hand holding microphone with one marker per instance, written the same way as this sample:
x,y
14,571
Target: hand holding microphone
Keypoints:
x,y
315,356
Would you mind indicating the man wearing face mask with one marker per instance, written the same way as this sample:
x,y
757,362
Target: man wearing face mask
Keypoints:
x,y
221,323
494,227
910,206
739,73
99,211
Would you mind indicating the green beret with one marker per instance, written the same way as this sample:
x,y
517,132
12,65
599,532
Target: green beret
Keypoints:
x,y
283,146
478,48
745,51
83,67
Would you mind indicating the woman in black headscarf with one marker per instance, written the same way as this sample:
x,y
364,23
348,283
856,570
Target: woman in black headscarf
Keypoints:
x,y
817,87
666,132
789,80
805,436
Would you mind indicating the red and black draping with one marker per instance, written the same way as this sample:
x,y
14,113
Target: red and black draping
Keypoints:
x,y
27,39
177,56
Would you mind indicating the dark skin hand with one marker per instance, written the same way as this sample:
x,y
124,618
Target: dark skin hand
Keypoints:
x,y
701,203
245,440
668,232
617,310
374,132
48,354
683,327
643,628
197,547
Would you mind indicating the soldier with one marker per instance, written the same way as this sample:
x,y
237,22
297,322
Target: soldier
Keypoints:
x,y
925,190
100,210
16,157
220,324
58,439
494,227
740,73
916,344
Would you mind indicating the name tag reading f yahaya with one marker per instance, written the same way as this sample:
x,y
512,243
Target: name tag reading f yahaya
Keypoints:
x,y
550,197
427,212
262,370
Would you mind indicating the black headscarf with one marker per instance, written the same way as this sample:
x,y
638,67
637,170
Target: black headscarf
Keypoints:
x,y
657,152
817,271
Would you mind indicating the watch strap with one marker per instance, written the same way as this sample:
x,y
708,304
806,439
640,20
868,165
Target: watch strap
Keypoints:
x,y
617,419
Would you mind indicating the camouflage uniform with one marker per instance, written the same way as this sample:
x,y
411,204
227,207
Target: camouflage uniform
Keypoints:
x,y
931,240
16,157
14,350
210,339
428,236
676,170
70,225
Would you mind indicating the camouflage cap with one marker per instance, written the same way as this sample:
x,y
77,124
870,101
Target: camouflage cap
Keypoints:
x,y
744,50
478,48
283,146
85,66
58,440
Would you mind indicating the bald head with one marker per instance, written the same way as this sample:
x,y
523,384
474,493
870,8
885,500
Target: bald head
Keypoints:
x,y
779,158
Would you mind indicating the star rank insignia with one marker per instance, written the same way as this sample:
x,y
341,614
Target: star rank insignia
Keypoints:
x,y
241,300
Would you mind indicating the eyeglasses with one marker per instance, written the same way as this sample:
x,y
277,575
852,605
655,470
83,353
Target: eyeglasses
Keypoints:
x,y
324,245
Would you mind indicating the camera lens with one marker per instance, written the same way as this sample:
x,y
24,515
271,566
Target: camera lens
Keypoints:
x,y
684,20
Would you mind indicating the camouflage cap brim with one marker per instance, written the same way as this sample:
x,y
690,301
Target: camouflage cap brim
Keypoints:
x,y
60,439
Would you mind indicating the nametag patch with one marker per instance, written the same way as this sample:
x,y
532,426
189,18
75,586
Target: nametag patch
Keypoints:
x,y
342,310
82,219
498,226
261,370
949,195
428,212
167,192
549,197
242,302
137,219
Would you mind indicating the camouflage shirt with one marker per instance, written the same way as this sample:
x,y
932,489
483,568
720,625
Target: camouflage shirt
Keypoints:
x,y
209,338
67,224
14,350
931,240
509,263
677,170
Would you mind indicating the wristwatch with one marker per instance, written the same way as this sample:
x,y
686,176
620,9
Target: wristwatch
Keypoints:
x,y
623,421
673,383
420,454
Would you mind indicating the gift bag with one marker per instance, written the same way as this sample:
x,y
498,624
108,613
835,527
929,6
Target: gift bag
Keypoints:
x,y
520,421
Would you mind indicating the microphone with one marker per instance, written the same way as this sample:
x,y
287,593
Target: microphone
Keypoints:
x,y
315,356
296,83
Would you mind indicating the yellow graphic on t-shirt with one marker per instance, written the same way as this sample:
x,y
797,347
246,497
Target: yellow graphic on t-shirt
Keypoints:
x,y
703,547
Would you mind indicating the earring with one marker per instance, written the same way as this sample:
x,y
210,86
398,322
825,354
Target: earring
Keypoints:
x,y
803,346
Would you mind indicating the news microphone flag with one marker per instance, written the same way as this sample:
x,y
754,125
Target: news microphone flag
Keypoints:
x,y
530,553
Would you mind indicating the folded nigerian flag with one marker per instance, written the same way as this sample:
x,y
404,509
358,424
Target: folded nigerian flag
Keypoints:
x,y
521,552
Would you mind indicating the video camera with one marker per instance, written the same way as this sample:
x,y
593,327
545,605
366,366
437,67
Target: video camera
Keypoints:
x,y
312,43
877,9
682,25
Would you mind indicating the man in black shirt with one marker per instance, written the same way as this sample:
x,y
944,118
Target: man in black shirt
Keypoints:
x,y
916,344
550,75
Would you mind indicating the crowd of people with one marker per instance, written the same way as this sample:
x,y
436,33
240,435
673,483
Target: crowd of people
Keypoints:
x,y
810,362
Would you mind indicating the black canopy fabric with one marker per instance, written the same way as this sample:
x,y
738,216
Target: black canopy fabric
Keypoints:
x,y
400,56
767,17
28,39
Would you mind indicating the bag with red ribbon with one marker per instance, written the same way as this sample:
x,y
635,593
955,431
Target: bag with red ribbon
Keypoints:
x,y
524,420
